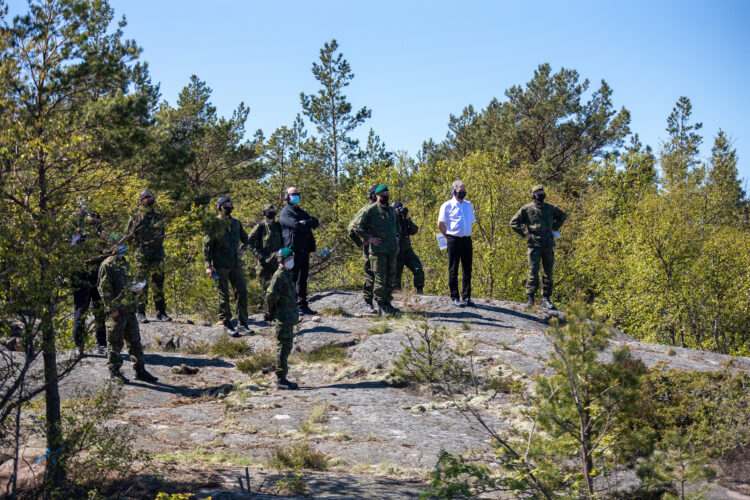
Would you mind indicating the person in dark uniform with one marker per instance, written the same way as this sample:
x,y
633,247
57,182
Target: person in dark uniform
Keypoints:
x,y
297,229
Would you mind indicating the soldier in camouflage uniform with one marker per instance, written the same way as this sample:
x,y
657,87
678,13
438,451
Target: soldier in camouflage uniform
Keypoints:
x,y
536,222
145,230
405,228
122,325
223,257
369,282
281,304
376,226
264,241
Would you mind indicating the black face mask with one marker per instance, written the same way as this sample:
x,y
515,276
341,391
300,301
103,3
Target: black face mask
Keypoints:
x,y
539,197
270,214
460,195
383,200
227,210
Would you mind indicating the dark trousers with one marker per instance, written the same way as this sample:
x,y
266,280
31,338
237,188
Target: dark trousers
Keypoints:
x,y
459,251
300,271
85,295
545,256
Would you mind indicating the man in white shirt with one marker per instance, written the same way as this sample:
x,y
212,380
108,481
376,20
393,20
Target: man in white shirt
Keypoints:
x,y
454,221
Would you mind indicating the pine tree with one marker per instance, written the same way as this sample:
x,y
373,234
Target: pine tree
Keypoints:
x,y
723,186
679,157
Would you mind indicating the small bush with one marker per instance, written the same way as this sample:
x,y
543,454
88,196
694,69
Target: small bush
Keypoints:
x,y
328,353
228,348
379,328
299,456
427,358
333,311
505,385
294,484
319,413
260,361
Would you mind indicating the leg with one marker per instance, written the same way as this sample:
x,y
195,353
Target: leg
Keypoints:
x,y
379,265
100,318
415,266
398,280
141,272
222,286
467,256
369,284
81,300
157,279
237,278
115,339
390,276
299,272
548,263
284,341
132,336
453,260
532,282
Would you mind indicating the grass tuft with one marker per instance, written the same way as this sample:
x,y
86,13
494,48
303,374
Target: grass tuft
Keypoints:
x,y
328,353
260,361
299,456
379,328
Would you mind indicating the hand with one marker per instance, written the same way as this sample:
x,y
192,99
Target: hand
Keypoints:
x,y
114,314
210,271
302,222
529,236
374,241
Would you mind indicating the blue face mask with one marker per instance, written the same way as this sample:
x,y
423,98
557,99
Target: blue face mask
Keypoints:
x,y
294,200
121,249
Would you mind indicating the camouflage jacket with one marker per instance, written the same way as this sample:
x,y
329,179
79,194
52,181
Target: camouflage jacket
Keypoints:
x,y
146,232
281,298
221,245
113,284
404,230
539,222
264,240
379,222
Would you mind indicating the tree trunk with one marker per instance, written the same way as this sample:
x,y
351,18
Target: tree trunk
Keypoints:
x,y
54,472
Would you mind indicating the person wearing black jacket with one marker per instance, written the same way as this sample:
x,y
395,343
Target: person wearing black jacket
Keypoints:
x,y
296,228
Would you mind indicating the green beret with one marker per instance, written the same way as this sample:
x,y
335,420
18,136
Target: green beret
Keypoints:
x,y
285,253
536,188
381,188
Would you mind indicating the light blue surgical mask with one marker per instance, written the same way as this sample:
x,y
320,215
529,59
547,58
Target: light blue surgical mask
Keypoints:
x,y
289,264
294,200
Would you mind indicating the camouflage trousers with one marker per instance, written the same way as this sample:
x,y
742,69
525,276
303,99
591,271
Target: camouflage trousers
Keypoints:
x,y
384,268
284,342
369,283
412,262
236,277
152,272
121,329
546,257
264,275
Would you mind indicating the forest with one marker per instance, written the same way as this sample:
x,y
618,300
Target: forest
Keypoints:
x,y
657,239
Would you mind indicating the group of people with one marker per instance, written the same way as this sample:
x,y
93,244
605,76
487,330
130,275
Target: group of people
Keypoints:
x,y
282,250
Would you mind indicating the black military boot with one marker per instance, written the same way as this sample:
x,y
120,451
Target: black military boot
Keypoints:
x,y
141,317
530,302
547,304
143,375
285,385
420,291
369,309
162,316
230,330
245,328
118,377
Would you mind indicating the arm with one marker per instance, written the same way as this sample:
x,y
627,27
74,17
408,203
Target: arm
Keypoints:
x,y
559,218
361,226
441,219
160,228
287,219
254,241
208,254
411,227
271,298
312,223
517,223
352,233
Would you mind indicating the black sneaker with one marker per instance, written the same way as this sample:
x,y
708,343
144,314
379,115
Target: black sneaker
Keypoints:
x,y
162,316
118,377
369,309
420,291
393,310
141,318
458,303
231,331
307,311
530,303
101,349
145,376
468,303
244,328
285,385
547,304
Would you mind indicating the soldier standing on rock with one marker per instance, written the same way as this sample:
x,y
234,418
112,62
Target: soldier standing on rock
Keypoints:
x,y
223,257
368,285
536,222
88,230
120,306
146,231
264,241
376,226
281,304
405,228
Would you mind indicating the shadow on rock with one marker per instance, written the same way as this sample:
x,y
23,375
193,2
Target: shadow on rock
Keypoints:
x,y
321,329
357,385
177,360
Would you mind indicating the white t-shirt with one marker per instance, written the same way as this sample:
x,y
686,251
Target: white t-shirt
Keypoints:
x,y
458,217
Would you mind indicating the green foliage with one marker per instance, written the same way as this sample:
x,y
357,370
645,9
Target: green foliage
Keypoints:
x,y
260,361
328,353
429,358
299,456
225,347
294,483
379,328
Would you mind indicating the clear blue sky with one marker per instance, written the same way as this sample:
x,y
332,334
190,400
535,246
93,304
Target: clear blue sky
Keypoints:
x,y
415,62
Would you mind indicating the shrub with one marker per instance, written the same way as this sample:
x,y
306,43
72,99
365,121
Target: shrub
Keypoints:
x,y
328,353
299,456
428,358
260,361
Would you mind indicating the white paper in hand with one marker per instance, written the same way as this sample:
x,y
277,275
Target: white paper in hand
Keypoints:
x,y
442,241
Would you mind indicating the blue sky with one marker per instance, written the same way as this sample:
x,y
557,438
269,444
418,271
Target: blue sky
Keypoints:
x,y
415,62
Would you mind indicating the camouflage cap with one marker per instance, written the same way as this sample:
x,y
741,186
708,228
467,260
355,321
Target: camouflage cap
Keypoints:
x,y
372,189
537,187
398,205
221,201
267,207
145,194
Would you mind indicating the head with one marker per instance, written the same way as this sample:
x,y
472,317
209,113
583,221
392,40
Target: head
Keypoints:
x,y
93,217
537,193
382,194
400,209
269,211
292,195
458,188
224,206
371,193
146,198
286,258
